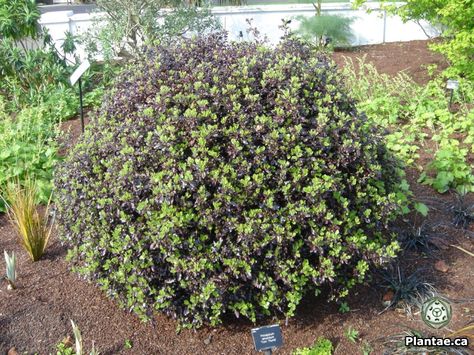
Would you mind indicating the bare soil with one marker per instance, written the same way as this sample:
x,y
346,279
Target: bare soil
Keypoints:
x,y
36,316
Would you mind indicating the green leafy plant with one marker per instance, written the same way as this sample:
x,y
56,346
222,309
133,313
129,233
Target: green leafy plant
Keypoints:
x,y
367,349
322,346
29,70
352,334
451,168
28,148
18,20
344,307
268,183
10,265
411,113
386,99
63,348
128,344
33,226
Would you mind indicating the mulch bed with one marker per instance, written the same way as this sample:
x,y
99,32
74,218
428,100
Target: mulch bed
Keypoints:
x,y
36,316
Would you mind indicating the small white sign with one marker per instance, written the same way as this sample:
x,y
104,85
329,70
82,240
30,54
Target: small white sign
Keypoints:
x,y
79,71
452,84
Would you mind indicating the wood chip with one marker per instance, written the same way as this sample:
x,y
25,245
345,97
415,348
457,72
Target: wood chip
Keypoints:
x,y
441,266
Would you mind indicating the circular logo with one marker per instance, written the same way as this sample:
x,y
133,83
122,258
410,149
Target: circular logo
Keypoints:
x,y
436,312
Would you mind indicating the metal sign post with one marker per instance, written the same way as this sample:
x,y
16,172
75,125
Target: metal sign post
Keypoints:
x,y
82,108
76,76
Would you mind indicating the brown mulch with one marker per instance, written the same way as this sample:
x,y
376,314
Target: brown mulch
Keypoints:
x,y
36,316
412,58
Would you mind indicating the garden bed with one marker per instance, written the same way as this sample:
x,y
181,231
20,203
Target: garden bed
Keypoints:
x,y
36,316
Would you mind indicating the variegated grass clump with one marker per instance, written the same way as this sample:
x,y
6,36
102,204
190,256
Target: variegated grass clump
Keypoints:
x,y
33,227
10,262
78,341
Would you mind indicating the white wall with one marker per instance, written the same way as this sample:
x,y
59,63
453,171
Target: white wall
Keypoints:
x,y
368,28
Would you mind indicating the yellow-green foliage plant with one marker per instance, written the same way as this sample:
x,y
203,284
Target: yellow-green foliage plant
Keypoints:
x,y
33,227
322,346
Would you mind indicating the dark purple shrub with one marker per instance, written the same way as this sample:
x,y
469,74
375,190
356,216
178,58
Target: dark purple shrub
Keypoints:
x,y
227,178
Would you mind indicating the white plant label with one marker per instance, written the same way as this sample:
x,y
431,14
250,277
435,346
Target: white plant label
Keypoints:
x,y
79,71
452,84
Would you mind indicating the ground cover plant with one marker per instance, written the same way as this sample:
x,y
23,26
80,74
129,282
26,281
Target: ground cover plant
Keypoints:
x,y
421,237
415,116
322,346
268,184
409,290
28,148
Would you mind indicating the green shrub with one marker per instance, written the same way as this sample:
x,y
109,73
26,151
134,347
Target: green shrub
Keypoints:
x,y
322,346
131,25
18,19
30,71
451,168
316,29
28,148
227,178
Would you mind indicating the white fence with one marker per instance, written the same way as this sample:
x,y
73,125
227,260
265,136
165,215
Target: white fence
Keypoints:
x,y
367,28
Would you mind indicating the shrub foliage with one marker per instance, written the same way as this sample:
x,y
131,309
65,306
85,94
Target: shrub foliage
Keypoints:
x,y
227,178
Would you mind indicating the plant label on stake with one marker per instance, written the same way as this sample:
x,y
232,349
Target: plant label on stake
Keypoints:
x,y
81,69
76,76
267,338
452,85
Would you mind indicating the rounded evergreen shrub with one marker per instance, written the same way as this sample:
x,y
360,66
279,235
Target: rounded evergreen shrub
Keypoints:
x,y
227,178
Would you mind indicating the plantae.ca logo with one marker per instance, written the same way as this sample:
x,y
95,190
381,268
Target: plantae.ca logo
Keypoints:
x,y
436,313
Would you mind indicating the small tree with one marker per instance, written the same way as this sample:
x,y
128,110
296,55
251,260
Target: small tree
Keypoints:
x,y
29,60
18,20
130,25
322,30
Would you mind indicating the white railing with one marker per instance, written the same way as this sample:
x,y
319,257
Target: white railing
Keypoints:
x,y
367,28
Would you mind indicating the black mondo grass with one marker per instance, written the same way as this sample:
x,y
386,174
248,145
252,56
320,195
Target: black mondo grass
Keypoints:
x,y
409,290
423,238
462,211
